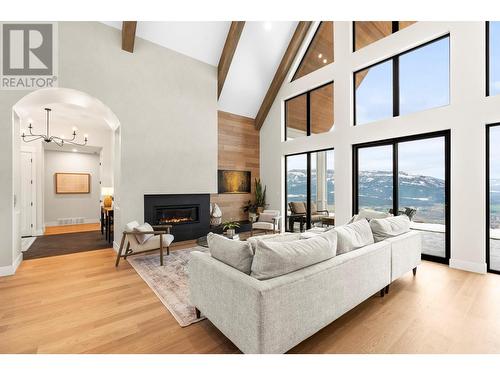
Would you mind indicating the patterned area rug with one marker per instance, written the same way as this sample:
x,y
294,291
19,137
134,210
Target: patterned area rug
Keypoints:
x,y
170,282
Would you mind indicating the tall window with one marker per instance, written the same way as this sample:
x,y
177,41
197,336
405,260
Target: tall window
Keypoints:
x,y
310,190
493,48
375,178
320,51
368,32
408,176
413,81
309,113
493,198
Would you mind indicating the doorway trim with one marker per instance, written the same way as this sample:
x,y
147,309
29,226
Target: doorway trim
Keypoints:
x,y
446,134
34,185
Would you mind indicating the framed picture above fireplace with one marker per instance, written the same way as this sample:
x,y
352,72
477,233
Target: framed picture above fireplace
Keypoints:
x,y
234,182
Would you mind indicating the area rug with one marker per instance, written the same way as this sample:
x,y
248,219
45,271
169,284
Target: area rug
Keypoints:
x,y
170,282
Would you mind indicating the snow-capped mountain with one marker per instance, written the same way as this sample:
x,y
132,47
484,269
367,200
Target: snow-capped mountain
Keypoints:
x,y
425,193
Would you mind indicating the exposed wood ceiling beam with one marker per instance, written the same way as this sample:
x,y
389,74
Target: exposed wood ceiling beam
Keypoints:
x,y
233,37
282,71
128,35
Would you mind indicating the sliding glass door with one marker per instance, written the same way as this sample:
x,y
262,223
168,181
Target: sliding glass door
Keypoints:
x,y
375,165
310,190
493,198
408,176
422,190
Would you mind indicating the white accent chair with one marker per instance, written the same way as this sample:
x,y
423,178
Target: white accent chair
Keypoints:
x,y
161,239
267,221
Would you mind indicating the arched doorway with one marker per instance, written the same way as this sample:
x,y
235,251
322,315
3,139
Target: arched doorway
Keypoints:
x,y
39,204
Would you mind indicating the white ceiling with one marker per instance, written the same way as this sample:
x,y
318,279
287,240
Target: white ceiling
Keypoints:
x,y
72,148
259,52
200,40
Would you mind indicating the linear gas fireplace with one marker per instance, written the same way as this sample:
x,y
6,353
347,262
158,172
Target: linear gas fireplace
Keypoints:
x,y
189,214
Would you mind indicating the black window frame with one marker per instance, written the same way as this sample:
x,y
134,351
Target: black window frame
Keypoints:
x,y
394,142
487,31
395,75
308,108
308,185
488,221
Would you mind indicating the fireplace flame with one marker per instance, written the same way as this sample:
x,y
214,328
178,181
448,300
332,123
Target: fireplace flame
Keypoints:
x,y
175,220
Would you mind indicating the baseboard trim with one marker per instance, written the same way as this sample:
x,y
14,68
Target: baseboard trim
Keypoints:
x,y
11,270
116,246
85,221
468,266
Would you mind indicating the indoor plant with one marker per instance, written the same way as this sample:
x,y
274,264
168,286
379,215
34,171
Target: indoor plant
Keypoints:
x,y
230,227
260,196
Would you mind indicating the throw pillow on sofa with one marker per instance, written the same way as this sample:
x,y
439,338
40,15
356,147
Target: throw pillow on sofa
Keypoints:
x,y
372,214
273,259
353,236
237,254
280,237
389,227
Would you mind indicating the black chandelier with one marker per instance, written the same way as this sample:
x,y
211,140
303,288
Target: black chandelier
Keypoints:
x,y
48,138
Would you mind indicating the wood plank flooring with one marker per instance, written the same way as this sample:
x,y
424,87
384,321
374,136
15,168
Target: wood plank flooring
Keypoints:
x,y
79,303
75,228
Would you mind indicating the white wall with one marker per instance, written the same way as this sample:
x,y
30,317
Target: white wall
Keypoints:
x,y
167,107
99,136
466,116
71,205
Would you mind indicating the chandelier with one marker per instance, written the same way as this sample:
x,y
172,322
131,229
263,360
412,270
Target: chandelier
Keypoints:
x,y
48,138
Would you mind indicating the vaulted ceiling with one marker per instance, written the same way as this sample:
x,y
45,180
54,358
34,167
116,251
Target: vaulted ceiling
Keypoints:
x,y
258,53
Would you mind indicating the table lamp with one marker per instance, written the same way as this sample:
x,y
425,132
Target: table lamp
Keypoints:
x,y
107,193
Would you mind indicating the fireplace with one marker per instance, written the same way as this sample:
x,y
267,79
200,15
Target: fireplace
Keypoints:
x,y
176,215
189,214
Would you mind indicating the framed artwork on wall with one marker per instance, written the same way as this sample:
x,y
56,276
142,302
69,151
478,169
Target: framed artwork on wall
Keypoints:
x,y
234,182
72,183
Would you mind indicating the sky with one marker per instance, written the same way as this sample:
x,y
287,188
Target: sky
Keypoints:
x,y
495,152
423,157
300,161
494,58
424,82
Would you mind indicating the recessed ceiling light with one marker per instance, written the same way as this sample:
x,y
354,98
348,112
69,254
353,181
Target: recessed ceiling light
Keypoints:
x,y
75,150
320,56
268,26
325,61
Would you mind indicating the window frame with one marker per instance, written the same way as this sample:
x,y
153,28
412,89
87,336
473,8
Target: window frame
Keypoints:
x,y
487,200
308,184
394,142
308,109
396,76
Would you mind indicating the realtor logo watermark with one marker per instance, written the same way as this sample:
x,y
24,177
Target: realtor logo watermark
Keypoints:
x,y
28,56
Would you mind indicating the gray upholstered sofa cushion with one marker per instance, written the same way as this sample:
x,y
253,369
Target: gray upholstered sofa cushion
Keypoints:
x,y
389,227
279,237
274,259
353,236
237,254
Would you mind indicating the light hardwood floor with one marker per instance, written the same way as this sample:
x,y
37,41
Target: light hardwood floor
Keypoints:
x,y
75,228
79,303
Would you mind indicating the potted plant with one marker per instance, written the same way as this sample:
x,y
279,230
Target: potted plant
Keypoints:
x,y
230,227
260,196
251,208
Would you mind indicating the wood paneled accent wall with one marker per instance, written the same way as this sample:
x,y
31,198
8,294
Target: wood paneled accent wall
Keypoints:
x,y
238,150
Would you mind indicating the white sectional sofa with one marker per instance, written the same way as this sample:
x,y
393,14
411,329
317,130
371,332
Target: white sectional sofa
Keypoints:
x,y
272,315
